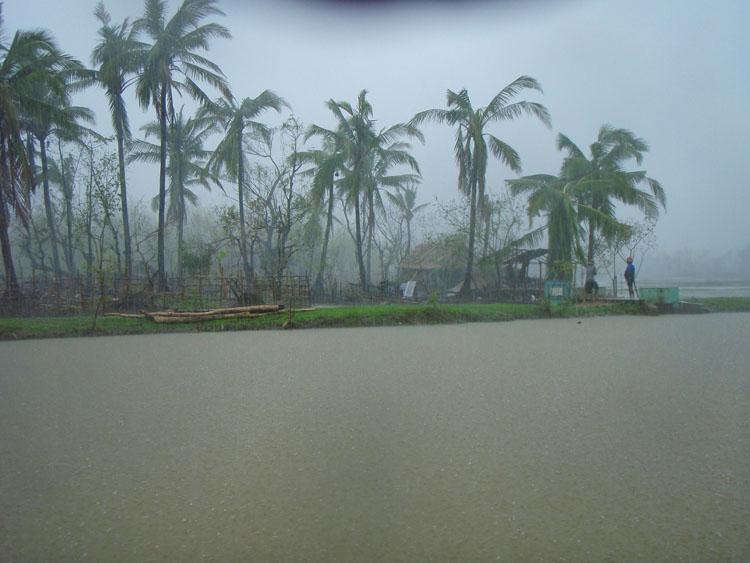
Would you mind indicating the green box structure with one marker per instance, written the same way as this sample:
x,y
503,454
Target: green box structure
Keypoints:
x,y
557,291
660,295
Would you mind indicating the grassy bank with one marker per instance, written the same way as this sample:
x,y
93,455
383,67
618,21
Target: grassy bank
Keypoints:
x,y
342,317
726,304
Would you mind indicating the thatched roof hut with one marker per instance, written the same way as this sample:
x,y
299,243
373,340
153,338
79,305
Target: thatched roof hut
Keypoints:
x,y
436,266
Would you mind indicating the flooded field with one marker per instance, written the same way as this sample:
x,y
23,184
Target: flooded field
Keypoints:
x,y
609,439
702,289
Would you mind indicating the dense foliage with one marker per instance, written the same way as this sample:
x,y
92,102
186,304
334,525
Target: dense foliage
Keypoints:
x,y
339,200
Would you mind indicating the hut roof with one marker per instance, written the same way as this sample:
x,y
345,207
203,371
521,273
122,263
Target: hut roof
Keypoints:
x,y
431,257
527,255
519,256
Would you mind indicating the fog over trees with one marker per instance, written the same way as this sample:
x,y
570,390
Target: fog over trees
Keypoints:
x,y
336,199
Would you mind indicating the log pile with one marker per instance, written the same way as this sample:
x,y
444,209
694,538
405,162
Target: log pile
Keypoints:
x,y
199,316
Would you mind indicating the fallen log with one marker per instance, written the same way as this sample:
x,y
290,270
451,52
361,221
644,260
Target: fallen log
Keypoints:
x,y
126,315
245,309
165,317
195,319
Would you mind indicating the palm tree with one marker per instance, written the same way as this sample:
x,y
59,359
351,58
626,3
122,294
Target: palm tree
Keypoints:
x,y
367,155
354,136
18,74
473,143
116,57
31,64
584,193
175,52
60,120
405,200
383,158
63,174
186,162
327,165
600,181
487,208
229,156
552,196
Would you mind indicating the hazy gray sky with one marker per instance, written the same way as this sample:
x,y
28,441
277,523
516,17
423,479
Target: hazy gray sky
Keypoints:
x,y
675,72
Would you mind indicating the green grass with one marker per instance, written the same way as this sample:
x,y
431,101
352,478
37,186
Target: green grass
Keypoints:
x,y
726,304
342,317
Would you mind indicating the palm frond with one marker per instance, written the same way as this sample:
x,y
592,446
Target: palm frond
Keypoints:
x,y
505,153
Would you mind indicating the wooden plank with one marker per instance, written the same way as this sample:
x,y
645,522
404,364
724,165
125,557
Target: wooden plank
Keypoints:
x,y
126,315
163,319
246,309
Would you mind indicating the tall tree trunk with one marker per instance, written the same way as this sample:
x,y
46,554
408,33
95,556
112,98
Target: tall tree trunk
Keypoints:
x,y
408,236
486,242
251,257
590,255
318,285
68,197
466,292
11,281
89,257
241,204
181,216
286,222
356,193
358,243
370,230
162,190
108,222
72,273
116,238
267,259
180,231
124,203
48,209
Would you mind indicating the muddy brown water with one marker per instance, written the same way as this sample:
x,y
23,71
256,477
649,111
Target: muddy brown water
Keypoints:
x,y
610,439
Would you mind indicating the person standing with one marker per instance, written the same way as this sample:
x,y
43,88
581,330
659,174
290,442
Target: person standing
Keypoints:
x,y
590,286
630,276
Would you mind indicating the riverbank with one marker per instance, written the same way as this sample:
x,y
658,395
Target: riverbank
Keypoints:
x,y
341,317
621,438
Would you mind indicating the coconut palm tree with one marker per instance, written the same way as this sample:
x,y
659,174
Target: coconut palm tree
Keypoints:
x,y
559,198
473,143
552,196
229,156
328,162
367,155
174,54
21,70
63,173
34,85
405,200
600,181
117,57
185,166
383,158
57,119
355,137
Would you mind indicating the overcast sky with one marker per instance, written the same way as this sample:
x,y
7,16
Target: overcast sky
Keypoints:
x,y
676,72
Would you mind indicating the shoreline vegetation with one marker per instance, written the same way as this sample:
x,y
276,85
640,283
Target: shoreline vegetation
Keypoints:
x,y
344,317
